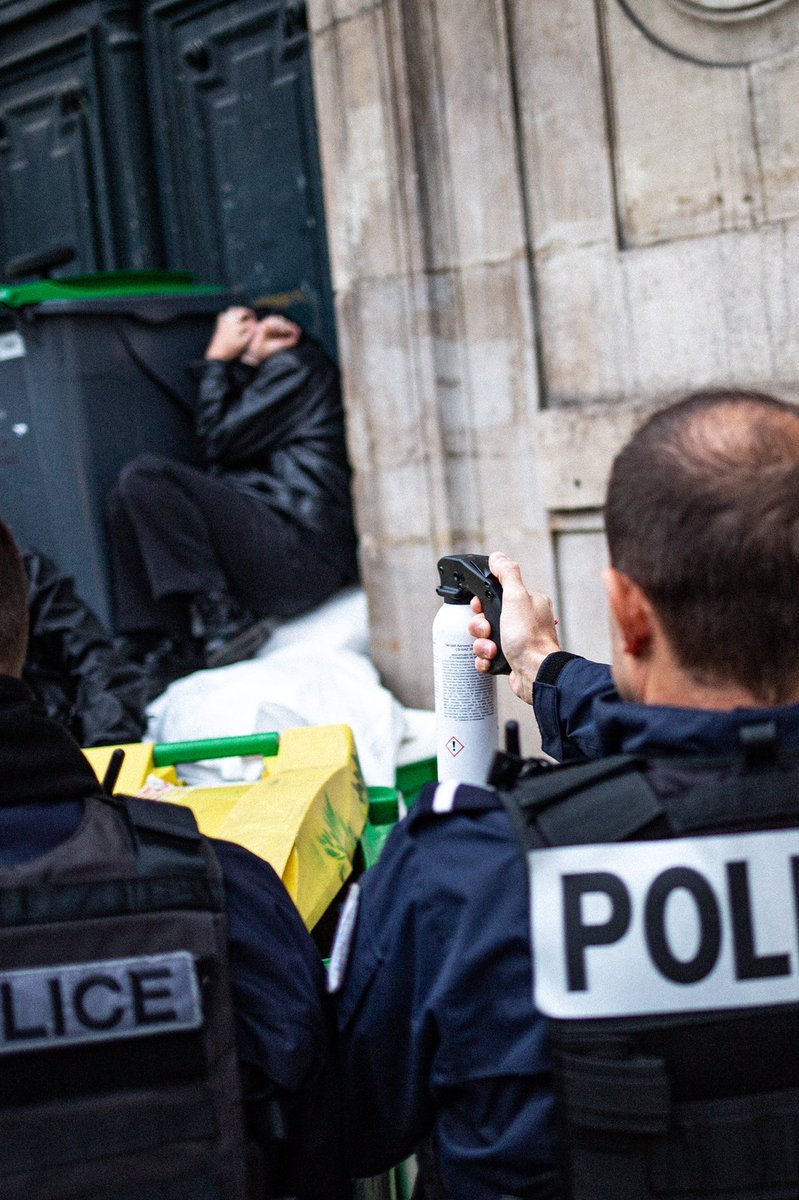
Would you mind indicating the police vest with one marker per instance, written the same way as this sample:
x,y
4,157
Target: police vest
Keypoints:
x,y
118,1069
668,965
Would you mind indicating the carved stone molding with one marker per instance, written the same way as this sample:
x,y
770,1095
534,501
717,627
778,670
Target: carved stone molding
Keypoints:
x,y
720,33
728,10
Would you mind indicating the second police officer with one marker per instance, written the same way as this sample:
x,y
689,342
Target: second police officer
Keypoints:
x,y
163,1027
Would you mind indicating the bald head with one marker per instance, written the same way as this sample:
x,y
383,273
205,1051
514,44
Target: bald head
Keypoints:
x,y
703,513
13,605
726,435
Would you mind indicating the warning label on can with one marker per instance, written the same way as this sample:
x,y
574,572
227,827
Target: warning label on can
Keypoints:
x,y
465,695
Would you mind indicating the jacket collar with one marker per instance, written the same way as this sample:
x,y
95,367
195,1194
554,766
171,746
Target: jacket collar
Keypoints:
x,y
39,760
630,728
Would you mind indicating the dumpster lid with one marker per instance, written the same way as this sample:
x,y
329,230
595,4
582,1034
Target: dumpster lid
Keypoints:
x,y
103,285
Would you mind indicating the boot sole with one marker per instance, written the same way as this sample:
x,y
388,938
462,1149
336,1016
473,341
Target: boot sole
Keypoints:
x,y
243,645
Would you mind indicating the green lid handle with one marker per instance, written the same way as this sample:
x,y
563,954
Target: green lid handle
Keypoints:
x,y
383,805
166,754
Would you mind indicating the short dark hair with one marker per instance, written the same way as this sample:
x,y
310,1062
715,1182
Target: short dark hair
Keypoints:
x,y
703,513
13,605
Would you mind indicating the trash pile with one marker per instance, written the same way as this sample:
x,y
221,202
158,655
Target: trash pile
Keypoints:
x,y
314,670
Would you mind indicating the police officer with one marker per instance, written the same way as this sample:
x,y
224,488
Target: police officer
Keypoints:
x,y
162,1024
587,985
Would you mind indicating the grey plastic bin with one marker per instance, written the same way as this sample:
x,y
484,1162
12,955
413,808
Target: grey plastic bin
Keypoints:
x,y
94,370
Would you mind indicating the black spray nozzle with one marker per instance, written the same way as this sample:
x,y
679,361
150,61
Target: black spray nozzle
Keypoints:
x,y
466,575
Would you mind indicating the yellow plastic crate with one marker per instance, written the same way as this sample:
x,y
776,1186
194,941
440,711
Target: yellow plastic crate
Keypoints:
x,y
304,816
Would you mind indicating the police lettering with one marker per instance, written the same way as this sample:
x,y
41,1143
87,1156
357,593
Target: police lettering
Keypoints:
x,y
579,935
77,1002
671,925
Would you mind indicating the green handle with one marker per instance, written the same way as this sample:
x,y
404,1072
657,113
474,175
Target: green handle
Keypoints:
x,y
166,754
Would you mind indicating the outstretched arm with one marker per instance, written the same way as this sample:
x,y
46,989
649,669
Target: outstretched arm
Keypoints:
x,y
561,687
527,628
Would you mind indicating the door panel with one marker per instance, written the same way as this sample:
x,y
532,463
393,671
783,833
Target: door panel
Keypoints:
x,y
234,120
685,159
663,253
580,558
660,162
45,165
75,156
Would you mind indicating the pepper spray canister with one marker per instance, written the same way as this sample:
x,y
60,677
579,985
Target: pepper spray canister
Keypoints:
x,y
467,723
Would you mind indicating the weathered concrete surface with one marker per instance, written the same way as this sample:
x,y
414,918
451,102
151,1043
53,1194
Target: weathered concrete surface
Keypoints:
x,y
660,195
433,295
542,225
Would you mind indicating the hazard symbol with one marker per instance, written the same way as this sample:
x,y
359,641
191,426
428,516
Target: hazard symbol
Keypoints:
x,y
454,746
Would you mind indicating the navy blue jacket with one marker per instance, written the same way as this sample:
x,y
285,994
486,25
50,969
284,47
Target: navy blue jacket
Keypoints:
x,y
284,1035
563,703
438,1031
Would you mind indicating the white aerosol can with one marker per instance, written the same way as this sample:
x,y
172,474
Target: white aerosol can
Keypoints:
x,y
467,724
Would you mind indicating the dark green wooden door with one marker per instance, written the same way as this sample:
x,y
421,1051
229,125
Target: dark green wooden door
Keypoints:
x,y
75,154
235,133
176,133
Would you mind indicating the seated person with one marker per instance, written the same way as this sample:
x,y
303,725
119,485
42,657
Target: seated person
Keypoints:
x,y
555,1013
265,531
163,1026
73,667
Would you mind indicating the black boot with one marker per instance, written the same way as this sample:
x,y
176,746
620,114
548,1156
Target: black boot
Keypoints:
x,y
228,632
162,658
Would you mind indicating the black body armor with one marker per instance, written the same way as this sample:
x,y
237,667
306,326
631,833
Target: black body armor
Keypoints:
x,y
118,1070
695,1102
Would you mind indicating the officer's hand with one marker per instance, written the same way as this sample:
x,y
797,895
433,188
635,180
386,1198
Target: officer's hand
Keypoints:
x,y
234,329
271,334
527,628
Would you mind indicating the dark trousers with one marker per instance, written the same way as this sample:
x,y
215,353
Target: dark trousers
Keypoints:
x,y
176,532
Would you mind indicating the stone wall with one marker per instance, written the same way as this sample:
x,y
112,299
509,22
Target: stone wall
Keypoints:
x,y
430,264
544,218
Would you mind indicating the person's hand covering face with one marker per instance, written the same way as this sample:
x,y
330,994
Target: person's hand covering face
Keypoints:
x,y
271,334
234,331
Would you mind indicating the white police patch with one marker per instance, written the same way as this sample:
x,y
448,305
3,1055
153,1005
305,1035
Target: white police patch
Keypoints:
x,y
685,925
66,1005
345,931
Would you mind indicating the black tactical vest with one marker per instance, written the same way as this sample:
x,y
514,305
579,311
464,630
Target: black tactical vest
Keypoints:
x,y
118,1069
663,1095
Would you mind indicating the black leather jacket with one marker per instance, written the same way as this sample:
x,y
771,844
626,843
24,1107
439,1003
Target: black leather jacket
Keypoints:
x,y
72,666
278,430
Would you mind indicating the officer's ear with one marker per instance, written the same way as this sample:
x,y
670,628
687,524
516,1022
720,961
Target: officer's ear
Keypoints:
x,y
632,612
